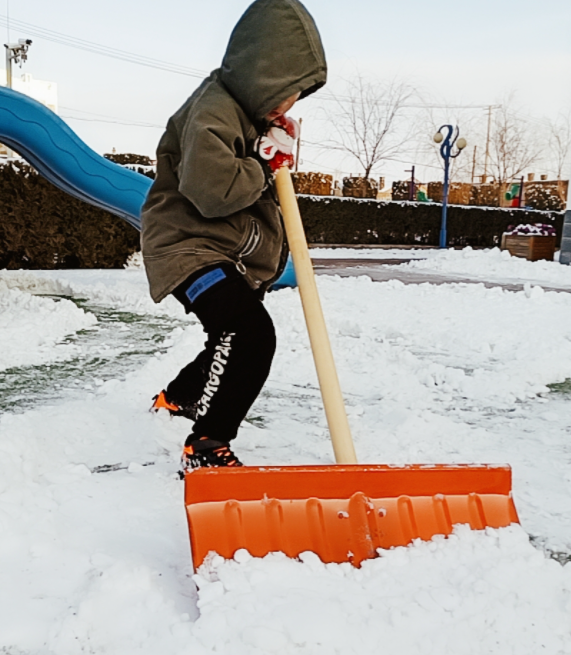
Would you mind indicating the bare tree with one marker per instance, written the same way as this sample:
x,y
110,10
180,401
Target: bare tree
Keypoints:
x,y
366,121
559,141
513,147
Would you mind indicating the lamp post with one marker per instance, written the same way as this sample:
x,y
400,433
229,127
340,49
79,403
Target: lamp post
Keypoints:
x,y
448,142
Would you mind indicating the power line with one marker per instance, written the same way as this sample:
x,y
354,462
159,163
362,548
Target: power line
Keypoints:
x,y
312,144
335,170
97,48
329,95
115,53
322,145
103,118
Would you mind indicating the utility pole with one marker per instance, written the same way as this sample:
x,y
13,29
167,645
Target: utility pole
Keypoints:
x,y
412,185
520,196
487,155
17,53
300,121
474,164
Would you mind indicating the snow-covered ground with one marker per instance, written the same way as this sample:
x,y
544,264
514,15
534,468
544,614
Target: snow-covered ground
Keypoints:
x,y
370,253
94,546
490,265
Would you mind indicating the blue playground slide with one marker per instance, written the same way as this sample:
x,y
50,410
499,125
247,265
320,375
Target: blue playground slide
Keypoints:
x,y
56,152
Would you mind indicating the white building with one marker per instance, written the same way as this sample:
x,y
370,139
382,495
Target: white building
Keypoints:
x,y
40,90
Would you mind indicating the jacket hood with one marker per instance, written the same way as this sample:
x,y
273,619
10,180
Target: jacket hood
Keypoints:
x,y
274,51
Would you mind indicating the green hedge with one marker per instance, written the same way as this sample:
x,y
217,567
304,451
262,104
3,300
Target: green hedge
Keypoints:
x,y
42,227
352,221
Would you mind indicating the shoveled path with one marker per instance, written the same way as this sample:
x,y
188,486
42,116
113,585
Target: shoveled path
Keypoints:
x,y
382,270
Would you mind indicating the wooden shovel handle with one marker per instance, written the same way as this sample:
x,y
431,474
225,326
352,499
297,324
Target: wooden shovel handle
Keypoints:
x,y
318,337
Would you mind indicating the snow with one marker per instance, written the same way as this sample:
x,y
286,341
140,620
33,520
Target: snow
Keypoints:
x,y
94,554
530,229
465,594
369,253
492,265
20,315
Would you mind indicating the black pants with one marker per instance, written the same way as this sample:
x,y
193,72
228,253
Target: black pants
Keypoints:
x,y
218,388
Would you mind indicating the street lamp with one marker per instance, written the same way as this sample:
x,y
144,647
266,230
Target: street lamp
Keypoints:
x,y
446,151
17,53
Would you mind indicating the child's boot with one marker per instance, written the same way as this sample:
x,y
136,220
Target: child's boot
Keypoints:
x,y
202,451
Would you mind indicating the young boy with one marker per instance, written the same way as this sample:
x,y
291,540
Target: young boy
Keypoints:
x,y
212,233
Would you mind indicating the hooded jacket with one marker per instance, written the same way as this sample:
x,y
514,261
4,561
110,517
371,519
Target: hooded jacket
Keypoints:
x,y
209,202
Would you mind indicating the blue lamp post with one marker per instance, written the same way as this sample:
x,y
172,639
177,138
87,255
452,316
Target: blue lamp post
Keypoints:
x,y
448,142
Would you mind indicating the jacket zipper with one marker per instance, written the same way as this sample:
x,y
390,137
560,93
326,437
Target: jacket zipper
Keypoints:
x,y
249,247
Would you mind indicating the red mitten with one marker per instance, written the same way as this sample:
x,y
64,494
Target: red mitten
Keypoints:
x,y
280,159
276,146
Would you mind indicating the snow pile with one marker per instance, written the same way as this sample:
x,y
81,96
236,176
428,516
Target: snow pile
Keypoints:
x,y
32,328
465,594
530,229
417,345
492,265
129,292
94,550
370,253
125,610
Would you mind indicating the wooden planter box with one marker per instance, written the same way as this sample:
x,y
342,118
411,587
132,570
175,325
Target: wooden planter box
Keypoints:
x,y
313,184
532,247
359,187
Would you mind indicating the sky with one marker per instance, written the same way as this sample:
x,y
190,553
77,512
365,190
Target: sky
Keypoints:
x,y
452,52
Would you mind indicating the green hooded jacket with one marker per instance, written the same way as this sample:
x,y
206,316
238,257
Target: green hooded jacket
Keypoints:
x,y
209,202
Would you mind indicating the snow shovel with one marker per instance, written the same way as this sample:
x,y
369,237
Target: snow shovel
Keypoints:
x,y
342,512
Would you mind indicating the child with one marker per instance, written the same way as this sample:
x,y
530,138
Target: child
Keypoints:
x,y
212,233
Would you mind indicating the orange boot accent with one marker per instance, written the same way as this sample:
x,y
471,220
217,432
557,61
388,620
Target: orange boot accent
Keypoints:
x,y
161,402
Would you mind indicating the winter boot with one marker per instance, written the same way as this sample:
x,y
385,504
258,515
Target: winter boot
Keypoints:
x,y
207,452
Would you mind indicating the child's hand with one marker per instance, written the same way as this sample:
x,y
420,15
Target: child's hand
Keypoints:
x,y
276,146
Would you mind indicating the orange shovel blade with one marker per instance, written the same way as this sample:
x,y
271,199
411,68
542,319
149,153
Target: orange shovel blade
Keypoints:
x,y
341,513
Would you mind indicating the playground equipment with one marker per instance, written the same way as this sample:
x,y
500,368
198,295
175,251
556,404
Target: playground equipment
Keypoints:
x,y
45,141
